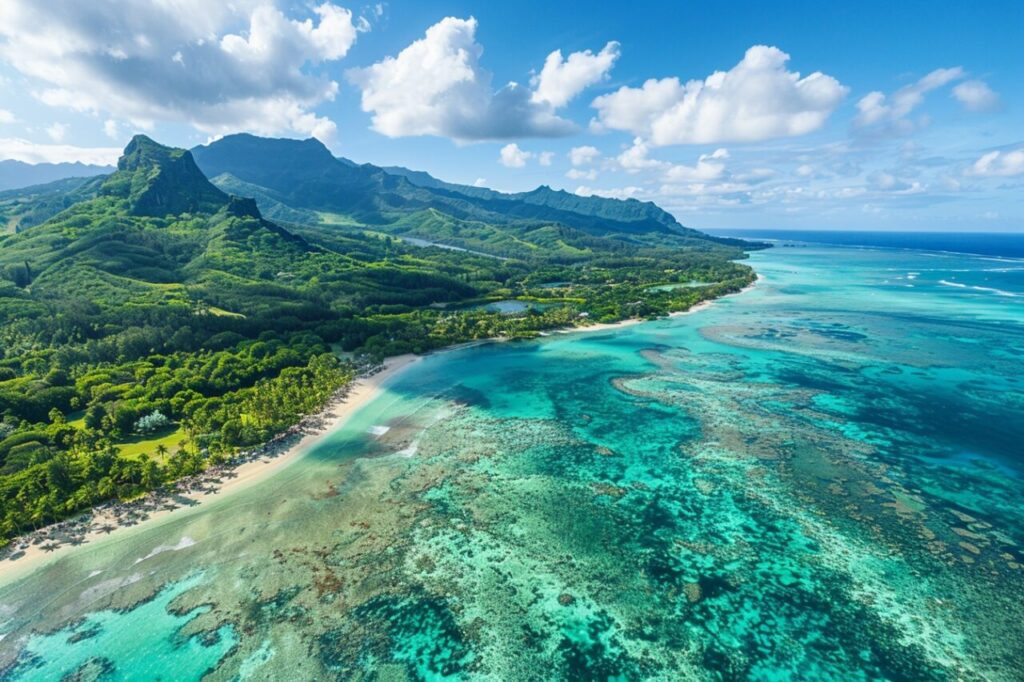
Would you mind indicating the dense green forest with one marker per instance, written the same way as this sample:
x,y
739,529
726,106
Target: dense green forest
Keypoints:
x,y
151,324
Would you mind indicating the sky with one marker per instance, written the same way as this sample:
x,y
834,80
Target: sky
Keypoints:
x,y
795,115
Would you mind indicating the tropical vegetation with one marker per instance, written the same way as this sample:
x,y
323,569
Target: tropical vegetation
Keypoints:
x,y
151,323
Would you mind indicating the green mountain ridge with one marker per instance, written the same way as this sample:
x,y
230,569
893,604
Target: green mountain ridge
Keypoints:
x,y
156,221
158,180
305,176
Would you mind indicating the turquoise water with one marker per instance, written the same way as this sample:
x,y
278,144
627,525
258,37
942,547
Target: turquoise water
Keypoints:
x,y
508,307
817,479
678,285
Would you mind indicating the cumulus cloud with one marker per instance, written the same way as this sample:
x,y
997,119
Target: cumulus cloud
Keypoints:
x,y
578,174
999,164
545,158
636,159
582,156
883,181
975,95
219,66
562,79
6,116
437,86
708,167
876,108
699,189
611,193
511,156
30,152
757,99
110,129
57,131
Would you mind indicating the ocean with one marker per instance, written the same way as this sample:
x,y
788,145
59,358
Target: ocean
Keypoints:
x,y
820,478
1010,245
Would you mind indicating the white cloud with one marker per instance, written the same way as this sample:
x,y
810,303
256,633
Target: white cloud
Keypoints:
x,y
545,158
180,61
612,193
872,108
110,129
757,99
975,95
6,116
998,163
30,152
876,108
581,156
635,158
479,182
57,131
562,79
709,167
511,156
883,181
703,189
436,86
577,174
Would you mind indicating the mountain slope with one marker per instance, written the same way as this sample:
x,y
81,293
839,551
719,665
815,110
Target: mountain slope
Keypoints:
x,y
157,180
304,175
27,206
153,226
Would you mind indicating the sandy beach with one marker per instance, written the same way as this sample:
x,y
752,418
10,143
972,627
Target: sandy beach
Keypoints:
x,y
703,305
107,521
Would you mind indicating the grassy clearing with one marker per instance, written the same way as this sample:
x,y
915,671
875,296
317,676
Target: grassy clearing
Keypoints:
x,y
131,448
220,312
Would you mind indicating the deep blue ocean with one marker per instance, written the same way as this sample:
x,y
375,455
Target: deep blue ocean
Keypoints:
x,y
1010,245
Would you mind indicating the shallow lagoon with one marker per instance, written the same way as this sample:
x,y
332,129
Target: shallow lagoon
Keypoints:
x,y
820,478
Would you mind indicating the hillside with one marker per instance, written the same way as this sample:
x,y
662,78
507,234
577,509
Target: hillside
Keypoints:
x,y
22,208
305,176
153,226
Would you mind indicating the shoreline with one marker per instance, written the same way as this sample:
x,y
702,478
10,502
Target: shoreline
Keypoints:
x,y
704,305
696,308
116,519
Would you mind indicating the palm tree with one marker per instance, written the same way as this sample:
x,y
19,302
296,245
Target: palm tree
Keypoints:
x,y
161,450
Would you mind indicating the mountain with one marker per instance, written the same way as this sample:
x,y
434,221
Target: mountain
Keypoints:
x,y
424,179
158,181
304,175
149,231
17,174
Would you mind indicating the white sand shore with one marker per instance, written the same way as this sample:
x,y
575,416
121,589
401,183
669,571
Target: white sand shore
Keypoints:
x,y
703,305
104,523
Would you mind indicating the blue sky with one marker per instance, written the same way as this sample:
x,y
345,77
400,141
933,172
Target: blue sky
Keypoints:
x,y
862,115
